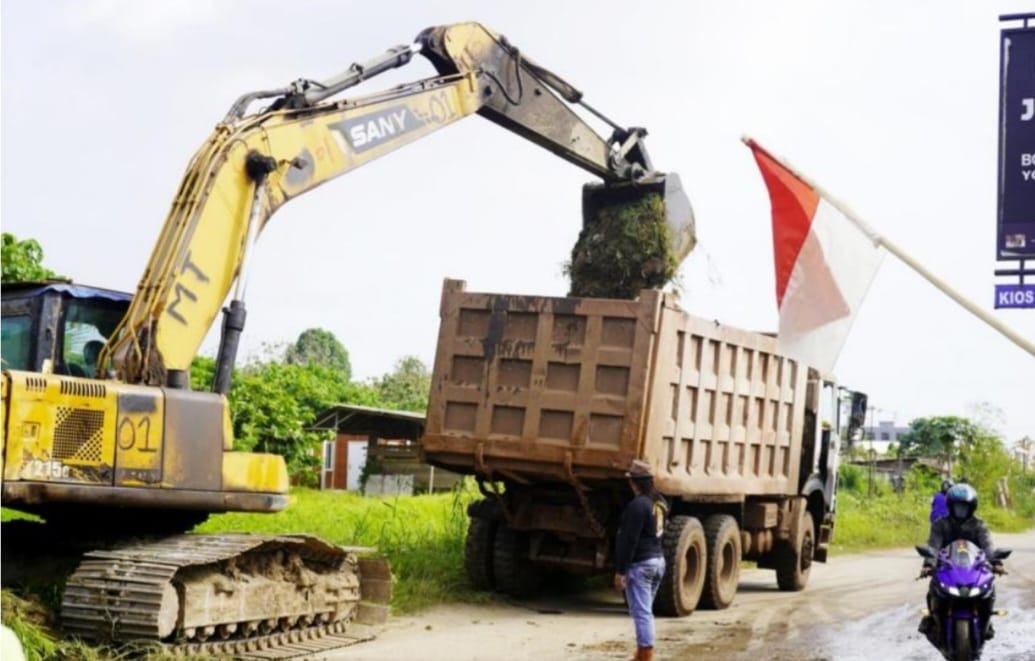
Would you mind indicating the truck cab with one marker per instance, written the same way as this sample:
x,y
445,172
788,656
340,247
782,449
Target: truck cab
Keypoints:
x,y
833,418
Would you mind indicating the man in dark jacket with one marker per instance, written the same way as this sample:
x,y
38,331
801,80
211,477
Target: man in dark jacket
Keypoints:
x,y
961,500
639,563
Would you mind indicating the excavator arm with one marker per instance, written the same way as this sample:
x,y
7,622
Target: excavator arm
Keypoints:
x,y
522,97
254,162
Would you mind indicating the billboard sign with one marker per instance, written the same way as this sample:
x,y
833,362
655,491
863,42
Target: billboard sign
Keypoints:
x,y
1016,218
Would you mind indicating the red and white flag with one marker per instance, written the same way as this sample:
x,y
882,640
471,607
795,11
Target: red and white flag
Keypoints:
x,y
824,261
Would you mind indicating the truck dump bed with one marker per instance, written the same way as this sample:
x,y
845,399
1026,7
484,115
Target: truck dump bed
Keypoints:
x,y
572,389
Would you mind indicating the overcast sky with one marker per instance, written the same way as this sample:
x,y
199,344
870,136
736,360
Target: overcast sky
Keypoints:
x,y
891,106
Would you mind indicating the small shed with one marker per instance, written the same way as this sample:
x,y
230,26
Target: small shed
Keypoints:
x,y
388,439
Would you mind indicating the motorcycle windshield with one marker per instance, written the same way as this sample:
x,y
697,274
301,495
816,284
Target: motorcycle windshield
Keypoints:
x,y
962,565
963,553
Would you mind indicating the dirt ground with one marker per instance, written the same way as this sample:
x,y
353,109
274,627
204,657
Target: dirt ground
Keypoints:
x,y
856,607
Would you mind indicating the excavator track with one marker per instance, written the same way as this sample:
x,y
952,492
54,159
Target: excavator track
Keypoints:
x,y
246,596
299,643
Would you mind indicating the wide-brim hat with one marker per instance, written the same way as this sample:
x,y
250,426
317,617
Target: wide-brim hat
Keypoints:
x,y
639,468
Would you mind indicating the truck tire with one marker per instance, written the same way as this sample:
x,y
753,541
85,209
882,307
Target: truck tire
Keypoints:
x,y
478,552
794,556
722,573
683,545
512,570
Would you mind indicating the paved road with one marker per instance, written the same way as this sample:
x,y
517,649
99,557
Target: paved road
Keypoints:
x,y
857,607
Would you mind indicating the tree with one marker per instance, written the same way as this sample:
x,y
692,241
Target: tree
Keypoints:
x,y
938,436
23,260
984,461
317,346
272,404
406,388
202,371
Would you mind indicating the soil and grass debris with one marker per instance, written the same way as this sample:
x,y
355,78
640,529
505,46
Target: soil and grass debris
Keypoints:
x,y
624,247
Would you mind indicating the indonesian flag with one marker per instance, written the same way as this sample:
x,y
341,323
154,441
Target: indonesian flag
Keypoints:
x,y
824,261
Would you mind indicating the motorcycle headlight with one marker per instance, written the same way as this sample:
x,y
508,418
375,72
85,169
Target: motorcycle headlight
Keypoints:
x,y
951,589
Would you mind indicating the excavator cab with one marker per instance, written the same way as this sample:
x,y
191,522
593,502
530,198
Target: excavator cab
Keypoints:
x,y
76,441
52,326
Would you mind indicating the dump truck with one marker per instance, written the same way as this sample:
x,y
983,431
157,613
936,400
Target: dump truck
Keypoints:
x,y
547,401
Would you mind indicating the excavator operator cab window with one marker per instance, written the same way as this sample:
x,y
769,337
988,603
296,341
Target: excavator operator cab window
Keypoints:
x,y
18,329
58,326
87,325
16,342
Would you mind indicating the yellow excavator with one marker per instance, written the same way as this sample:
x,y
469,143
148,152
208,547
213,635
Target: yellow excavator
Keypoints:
x,y
102,435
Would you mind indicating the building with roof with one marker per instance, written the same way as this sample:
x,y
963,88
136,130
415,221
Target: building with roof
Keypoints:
x,y
377,451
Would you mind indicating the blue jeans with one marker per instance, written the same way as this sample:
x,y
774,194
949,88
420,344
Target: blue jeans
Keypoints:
x,y
642,580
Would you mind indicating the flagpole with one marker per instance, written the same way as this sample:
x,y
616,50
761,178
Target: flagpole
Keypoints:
x,y
879,240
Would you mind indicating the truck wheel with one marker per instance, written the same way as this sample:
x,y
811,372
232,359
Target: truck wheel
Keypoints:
x,y
512,570
478,552
683,545
794,556
723,567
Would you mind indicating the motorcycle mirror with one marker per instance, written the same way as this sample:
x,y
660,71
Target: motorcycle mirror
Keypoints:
x,y
925,550
1001,554
857,416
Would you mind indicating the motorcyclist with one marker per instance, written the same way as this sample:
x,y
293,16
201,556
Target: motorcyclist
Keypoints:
x,y
961,501
938,505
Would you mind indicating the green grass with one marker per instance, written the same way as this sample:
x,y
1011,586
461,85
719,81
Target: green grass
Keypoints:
x,y
889,520
422,536
15,515
35,627
884,521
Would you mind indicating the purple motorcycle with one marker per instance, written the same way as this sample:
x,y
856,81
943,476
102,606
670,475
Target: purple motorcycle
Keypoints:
x,y
960,597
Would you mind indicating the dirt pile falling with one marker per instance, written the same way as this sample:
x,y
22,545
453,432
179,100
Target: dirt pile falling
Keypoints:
x,y
623,247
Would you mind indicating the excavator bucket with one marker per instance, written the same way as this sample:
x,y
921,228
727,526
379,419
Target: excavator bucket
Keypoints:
x,y
678,214
634,236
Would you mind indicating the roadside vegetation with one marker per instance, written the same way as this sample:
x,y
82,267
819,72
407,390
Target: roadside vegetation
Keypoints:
x,y
872,515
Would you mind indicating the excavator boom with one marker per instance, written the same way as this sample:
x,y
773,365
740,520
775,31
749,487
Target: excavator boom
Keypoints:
x,y
255,162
